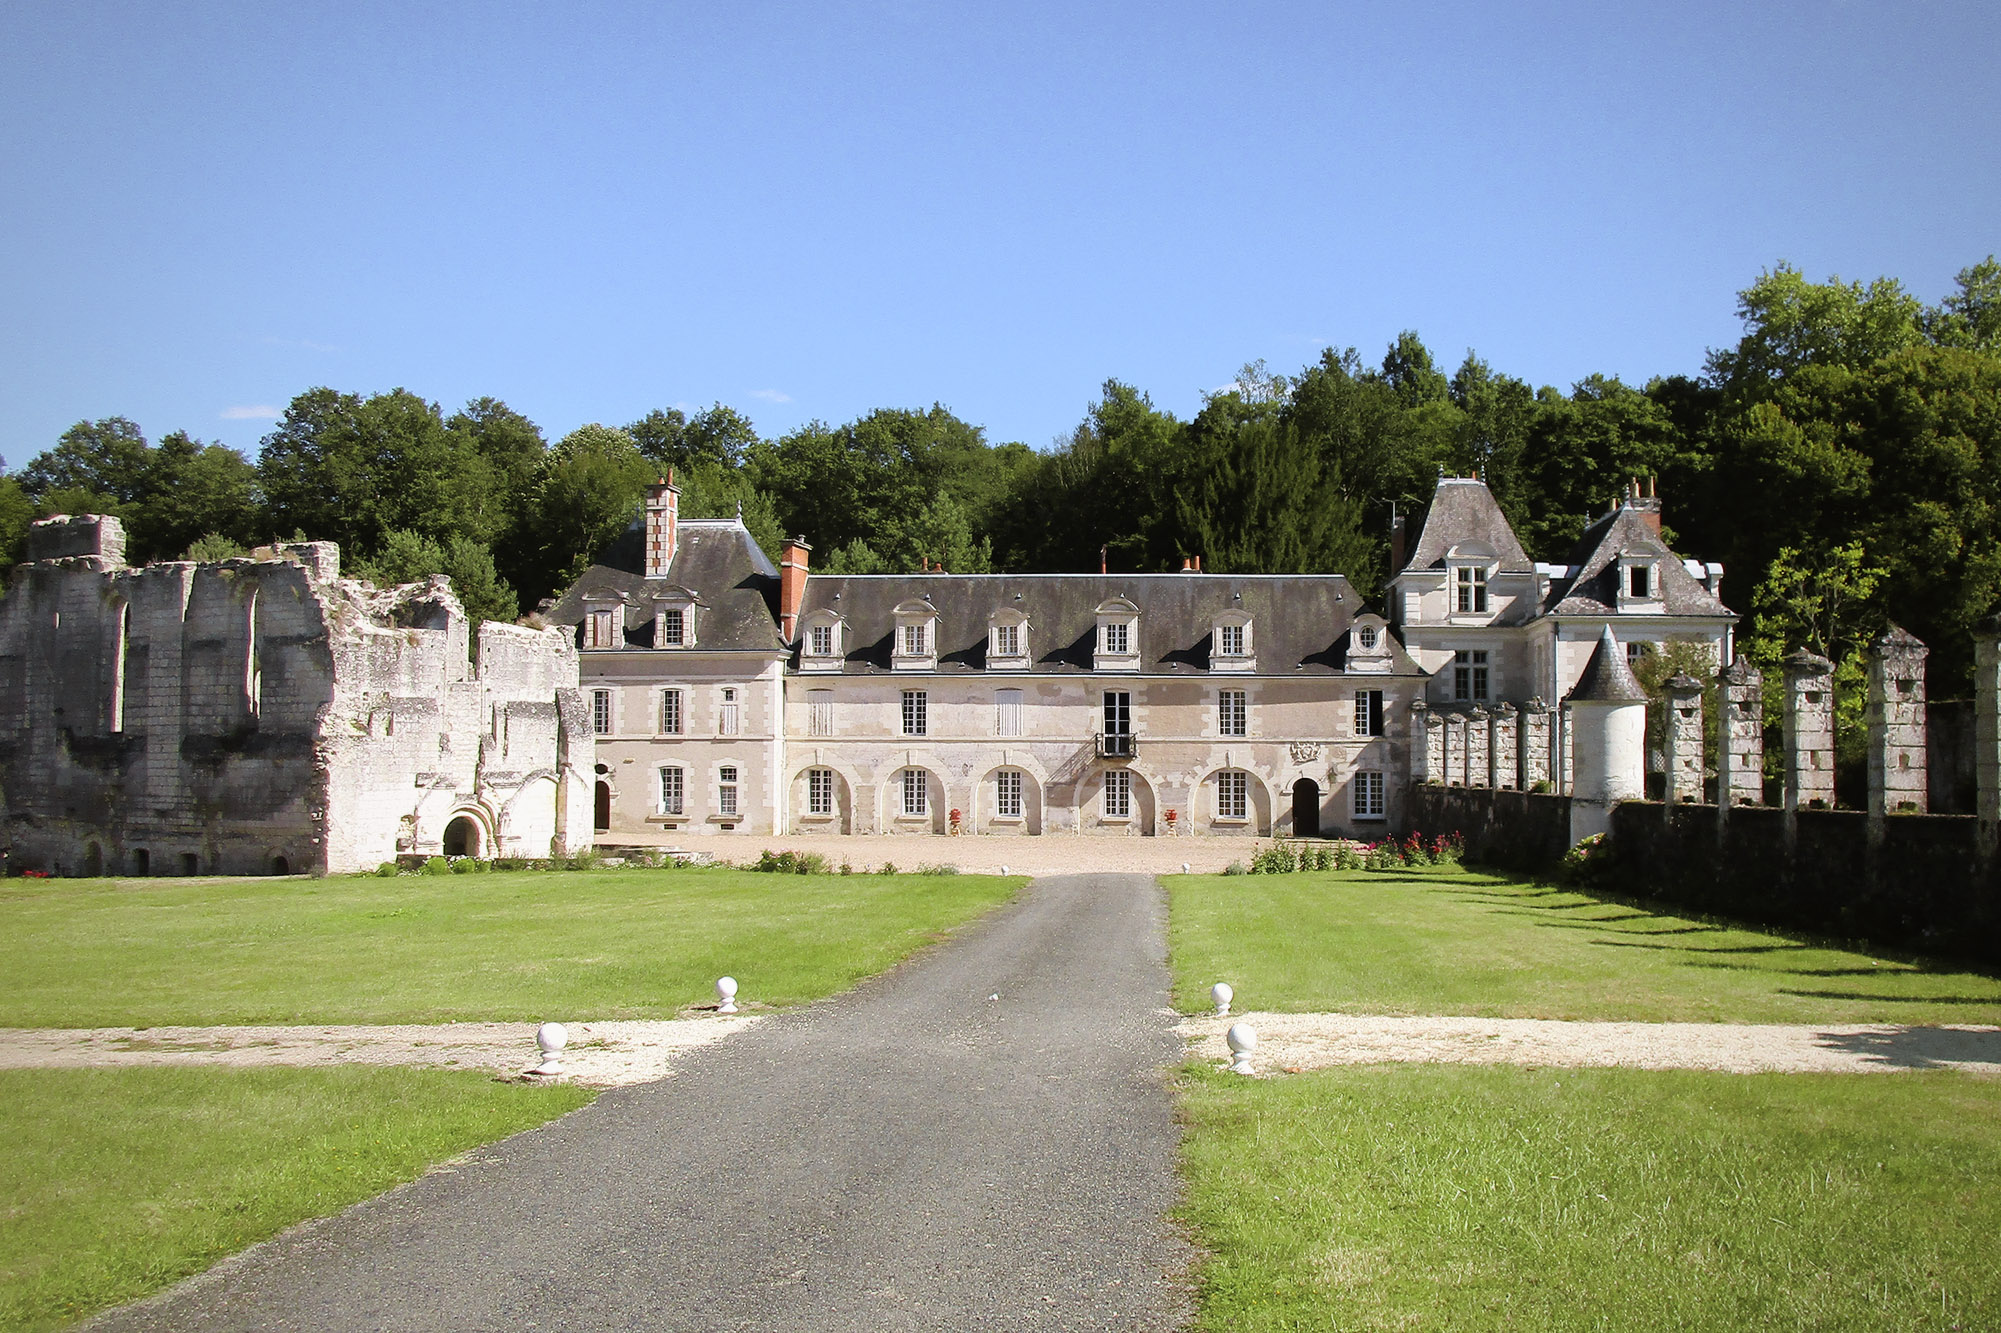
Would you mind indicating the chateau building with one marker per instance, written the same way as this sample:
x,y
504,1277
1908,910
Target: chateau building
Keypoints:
x,y
729,695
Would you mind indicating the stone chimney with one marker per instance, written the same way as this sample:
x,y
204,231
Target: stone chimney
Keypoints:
x,y
791,586
663,521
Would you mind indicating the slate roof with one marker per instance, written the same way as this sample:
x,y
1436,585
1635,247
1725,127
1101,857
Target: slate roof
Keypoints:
x,y
715,558
1594,589
1463,512
1607,678
1299,622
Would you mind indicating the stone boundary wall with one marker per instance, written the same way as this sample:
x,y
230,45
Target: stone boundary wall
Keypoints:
x,y
1514,830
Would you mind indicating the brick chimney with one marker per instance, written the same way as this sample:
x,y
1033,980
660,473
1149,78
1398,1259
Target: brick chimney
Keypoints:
x,y
1647,505
663,520
791,586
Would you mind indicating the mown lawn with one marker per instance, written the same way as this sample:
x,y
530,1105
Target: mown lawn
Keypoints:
x,y
119,1182
622,943
1451,941
1454,1197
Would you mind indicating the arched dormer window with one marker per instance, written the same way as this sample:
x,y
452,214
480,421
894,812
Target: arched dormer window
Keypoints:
x,y
916,646
1468,566
675,613
604,621
1369,645
1118,636
1007,640
1231,647
823,641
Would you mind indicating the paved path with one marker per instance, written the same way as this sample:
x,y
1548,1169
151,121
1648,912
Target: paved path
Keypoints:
x,y
916,1155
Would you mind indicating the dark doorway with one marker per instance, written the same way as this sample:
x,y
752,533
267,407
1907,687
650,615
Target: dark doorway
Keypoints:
x,y
93,860
604,807
462,837
280,866
1305,808
190,863
142,861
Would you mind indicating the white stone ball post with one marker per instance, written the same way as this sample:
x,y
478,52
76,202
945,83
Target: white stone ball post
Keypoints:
x,y
1222,995
1243,1039
550,1039
726,995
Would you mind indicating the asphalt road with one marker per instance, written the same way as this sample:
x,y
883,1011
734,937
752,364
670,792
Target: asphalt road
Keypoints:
x,y
914,1155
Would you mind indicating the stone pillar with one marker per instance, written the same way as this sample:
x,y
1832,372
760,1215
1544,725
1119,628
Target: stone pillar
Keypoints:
x,y
1896,719
1809,731
1740,736
1479,757
1987,730
1455,749
1423,764
1504,758
1681,741
1534,728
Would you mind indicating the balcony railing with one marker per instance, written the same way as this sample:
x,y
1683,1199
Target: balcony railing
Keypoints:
x,y
1116,745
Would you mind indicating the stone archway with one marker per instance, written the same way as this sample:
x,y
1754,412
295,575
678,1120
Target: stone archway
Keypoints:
x,y
1306,808
464,837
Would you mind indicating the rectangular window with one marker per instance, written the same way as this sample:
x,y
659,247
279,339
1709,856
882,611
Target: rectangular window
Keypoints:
x,y
1007,712
820,712
672,627
670,712
1230,640
1472,584
1007,640
821,640
1640,582
1368,794
916,798
671,791
1007,794
1469,674
1368,712
1118,794
730,722
915,708
1232,793
1636,652
602,630
1118,638
726,790
601,712
1230,713
819,791
913,640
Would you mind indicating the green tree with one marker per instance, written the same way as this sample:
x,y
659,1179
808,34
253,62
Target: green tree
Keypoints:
x,y
409,557
192,489
1262,501
718,436
212,547
109,458
590,492
1790,322
17,511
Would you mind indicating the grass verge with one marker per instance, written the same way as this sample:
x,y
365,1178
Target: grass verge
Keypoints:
x,y
119,1182
1407,1196
429,949
1451,941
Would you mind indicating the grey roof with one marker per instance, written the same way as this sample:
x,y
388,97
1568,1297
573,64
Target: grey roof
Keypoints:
x,y
1299,622
1594,589
716,559
1607,678
1463,513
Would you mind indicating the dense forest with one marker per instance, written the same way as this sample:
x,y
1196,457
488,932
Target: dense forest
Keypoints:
x,y
1843,460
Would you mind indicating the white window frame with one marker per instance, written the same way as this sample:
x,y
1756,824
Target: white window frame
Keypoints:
x,y
1471,675
603,627
1469,590
1118,793
674,627
819,791
1368,713
1233,795
916,793
1007,712
915,640
727,778
673,712
916,716
1368,794
1118,638
673,790
820,640
602,715
1366,638
1230,640
729,714
1233,713
1007,794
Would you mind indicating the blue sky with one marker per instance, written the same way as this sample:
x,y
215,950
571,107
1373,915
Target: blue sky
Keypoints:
x,y
815,210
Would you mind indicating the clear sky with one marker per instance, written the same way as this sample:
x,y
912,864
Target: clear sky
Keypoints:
x,y
813,210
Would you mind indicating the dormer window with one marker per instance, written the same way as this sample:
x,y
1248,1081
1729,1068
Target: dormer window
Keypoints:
x,y
674,617
1366,638
1369,645
823,642
1118,636
1639,582
1007,641
916,644
1470,590
1230,644
604,624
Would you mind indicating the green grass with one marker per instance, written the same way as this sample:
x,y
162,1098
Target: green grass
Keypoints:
x,y
119,1182
1450,941
425,949
1454,1197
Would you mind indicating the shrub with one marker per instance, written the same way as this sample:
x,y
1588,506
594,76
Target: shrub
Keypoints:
x,y
1384,855
584,859
1276,859
938,870
463,865
437,865
1347,857
387,870
889,867
1587,862
790,863
1234,868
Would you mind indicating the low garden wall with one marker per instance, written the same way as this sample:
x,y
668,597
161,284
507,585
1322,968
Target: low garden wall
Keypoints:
x,y
1515,830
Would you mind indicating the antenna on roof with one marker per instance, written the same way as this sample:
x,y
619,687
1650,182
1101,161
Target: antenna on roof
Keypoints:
x,y
739,509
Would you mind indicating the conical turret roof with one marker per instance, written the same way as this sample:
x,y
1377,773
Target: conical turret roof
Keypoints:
x,y
1607,679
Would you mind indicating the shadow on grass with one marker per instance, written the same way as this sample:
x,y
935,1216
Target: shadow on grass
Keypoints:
x,y
1789,947
1916,1048
1889,999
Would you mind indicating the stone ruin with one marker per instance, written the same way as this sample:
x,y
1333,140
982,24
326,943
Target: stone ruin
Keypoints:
x,y
265,715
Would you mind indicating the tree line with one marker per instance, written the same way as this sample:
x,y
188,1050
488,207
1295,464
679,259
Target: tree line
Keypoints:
x,y
1843,460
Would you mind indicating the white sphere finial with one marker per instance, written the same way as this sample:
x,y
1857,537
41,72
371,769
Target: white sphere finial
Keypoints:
x,y
1243,1039
1222,995
726,993
1184,867
550,1039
